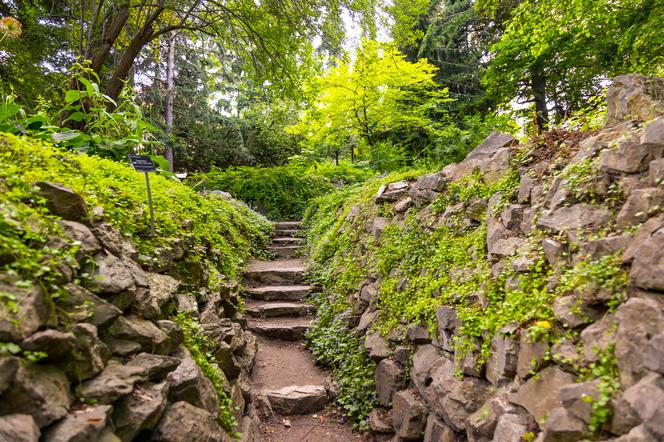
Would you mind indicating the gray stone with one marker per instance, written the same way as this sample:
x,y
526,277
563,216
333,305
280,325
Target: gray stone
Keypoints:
x,y
578,216
418,334
376,346
62,201
492,144
140,410
447,318
155,367
525,188
54,343
637,434
553,251
634,96
30,310
122,347
653,355
115,381
623,417
108,275
112,240
390,378
502,363
539,394
162,290
81,305
578,399
495,168
481,425
638,320
187,383
86,424
89,356
531,355
511,428
40,391
18,428
647,269
367,318
573,313
8,367
595,249
424,359
653,135
437,431
476,209
511,216
380,421
640,205
298,399
378,225
469,361
566,354
627,157
403,204
656,172
83,236
454,398
182,422
174,333
597,337
391,192
136,329
409,414
647,399
561,426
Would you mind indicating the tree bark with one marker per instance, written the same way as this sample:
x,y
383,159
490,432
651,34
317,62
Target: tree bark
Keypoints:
x,y
98,53
168,114
538,85
116,83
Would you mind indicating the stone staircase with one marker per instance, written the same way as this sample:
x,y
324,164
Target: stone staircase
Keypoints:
x,y
278,314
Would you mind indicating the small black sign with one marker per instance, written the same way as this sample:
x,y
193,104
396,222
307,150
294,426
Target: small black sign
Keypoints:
x,y
142,163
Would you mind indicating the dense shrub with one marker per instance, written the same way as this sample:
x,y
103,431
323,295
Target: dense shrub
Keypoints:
x,y
280,192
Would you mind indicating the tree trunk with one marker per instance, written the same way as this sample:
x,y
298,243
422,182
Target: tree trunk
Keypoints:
x,y
98,53
168,117
116,83
336,157
352,153
538,84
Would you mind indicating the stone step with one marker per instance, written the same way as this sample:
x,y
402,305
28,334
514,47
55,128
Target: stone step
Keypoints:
x,y
287,225
280,292
287,241
286,232
284,251
271,309
283,271
298,399
288,329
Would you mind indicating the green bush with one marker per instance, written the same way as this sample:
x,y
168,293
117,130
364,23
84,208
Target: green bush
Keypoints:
x,y
26,225
283,192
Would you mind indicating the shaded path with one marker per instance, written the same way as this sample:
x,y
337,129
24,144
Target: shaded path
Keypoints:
x,y
284,374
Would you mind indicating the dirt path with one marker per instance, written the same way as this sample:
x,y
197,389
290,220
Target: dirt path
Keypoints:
x,y
284,372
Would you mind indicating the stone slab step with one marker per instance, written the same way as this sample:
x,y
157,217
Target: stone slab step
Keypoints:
x,y
280,292
286,232
287,240
287,225
298,399
284,251
283,271
288,329
271,309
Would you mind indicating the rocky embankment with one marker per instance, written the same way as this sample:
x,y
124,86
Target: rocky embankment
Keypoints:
x,y
113,361
592,369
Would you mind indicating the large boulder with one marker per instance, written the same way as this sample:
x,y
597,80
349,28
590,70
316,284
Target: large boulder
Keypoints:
x,y
481,425
150,303
133,328
390,377
424,360
81,305
55,343
502,363
182,422
298,399
640,204
140,410
454,398
83,236
84,424
647,256
562,426
409,414
634,96
18,428
647,399
62,201
40,391
571,218
8,367
108,275
27,310
188,384
540,394
115,381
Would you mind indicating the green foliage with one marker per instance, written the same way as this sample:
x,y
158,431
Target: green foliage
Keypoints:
x,y
201,347
26,225
335,346
379,96
605,273
605,371
280,192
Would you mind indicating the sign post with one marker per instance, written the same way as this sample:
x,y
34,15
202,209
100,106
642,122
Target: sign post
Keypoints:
x,y
143,163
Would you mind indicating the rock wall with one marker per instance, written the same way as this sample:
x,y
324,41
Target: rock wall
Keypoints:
x,y
594,369
111,364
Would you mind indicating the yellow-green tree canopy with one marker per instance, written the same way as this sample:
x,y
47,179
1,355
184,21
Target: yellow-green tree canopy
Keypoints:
x,y
376,93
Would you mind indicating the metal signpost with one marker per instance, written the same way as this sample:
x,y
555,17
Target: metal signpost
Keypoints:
x,y
143,163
